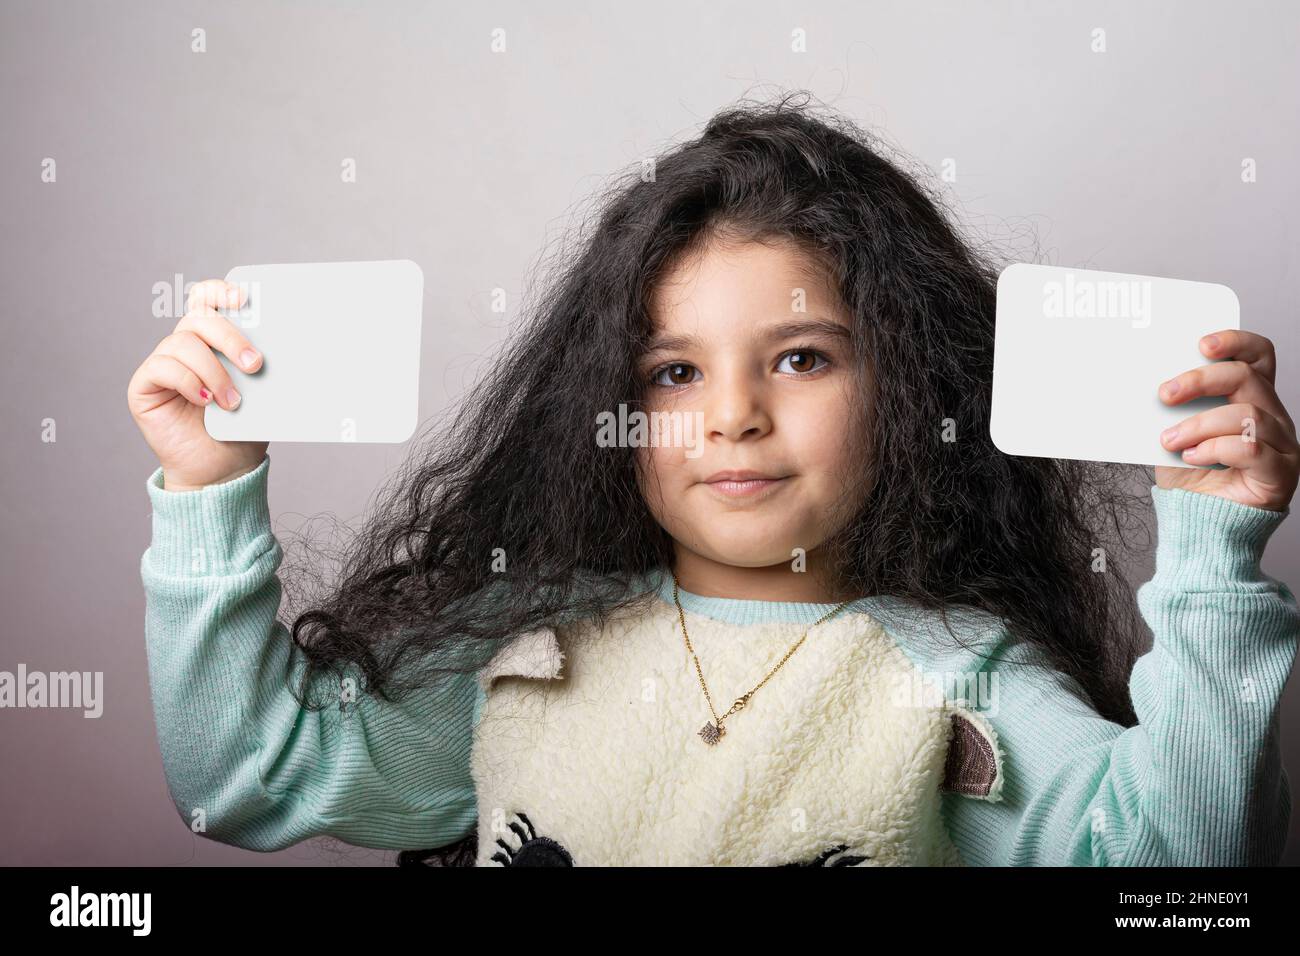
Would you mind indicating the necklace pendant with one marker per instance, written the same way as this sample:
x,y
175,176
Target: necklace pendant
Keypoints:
x,y
712,733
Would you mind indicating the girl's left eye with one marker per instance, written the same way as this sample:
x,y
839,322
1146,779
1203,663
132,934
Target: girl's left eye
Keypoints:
x,y
804,356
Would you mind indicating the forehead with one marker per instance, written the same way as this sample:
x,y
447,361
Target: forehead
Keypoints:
x,y
729,278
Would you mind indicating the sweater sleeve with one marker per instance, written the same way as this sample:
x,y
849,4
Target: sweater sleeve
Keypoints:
x,y
1199,780
244,762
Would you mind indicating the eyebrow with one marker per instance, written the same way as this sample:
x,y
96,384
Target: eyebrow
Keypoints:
x,y
771,333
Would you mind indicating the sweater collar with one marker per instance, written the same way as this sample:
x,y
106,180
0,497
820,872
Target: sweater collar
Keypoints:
x,y
744,610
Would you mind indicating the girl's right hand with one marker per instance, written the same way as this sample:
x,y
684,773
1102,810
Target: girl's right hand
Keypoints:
x,y
169,390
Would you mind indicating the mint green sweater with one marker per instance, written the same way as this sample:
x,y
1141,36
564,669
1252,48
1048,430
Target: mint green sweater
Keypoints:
x,y
1198,781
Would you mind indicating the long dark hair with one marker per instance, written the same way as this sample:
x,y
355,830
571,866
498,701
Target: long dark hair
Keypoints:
x,y
517,474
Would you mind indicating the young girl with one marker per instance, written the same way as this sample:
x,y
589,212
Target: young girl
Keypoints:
x,y
824,623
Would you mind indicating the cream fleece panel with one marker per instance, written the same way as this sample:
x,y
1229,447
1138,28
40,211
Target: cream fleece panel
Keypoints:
x,y
587,750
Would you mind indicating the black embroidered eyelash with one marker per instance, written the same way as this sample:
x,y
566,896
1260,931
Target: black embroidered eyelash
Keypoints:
x,y
650,379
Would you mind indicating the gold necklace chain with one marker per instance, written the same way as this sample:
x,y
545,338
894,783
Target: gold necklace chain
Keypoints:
x,y
713,731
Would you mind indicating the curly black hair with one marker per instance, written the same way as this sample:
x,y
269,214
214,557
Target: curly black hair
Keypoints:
x,y
516,471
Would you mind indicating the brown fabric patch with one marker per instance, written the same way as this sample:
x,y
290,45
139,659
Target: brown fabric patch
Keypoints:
x,y
971,767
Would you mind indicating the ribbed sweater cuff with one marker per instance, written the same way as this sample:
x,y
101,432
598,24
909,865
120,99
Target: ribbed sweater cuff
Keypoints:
x,y
1208,543
209,531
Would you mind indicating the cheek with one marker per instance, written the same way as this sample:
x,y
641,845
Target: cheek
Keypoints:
x,y
654,476
829,446
665,479
668,462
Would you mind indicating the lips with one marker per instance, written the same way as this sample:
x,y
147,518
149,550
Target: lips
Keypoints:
x,y
753,485
742,475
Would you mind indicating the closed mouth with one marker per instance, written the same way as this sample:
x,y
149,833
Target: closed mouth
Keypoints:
x,y
743,487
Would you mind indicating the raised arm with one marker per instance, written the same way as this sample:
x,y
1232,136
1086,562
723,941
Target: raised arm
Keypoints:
x,y
1199,780
238,750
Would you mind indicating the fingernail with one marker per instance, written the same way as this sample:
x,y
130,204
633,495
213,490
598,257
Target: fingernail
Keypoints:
x,y
1190,452
232,397
1171,388
248,357
1169,435
1212,341
204,394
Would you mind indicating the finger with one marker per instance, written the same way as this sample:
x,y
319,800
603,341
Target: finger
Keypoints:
x,y
1235,379
220,333
194,353
169,372
1235,419
1249,347
1262,460
215,294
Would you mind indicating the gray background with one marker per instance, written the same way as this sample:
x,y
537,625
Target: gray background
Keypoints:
x,y
474,164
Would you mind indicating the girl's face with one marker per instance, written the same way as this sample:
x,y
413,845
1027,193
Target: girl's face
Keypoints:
x,y
751,343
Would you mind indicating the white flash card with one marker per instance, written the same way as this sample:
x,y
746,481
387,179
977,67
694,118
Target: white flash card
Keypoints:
x,y
340,344
1080,355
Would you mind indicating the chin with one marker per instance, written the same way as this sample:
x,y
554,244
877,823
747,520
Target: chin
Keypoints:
x,y
749,561
755,553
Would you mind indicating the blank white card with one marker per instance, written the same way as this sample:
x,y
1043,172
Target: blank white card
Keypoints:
x,y
1079,357
341,353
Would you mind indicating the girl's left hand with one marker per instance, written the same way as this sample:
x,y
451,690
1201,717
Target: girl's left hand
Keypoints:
x,y
1262,472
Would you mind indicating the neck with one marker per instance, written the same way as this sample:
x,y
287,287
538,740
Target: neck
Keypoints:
x,y
778,582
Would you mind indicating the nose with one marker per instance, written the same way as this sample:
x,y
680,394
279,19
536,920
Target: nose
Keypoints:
x,y
736,407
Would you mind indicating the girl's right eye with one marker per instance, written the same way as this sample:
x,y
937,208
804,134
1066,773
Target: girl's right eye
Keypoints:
x,y
671,368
